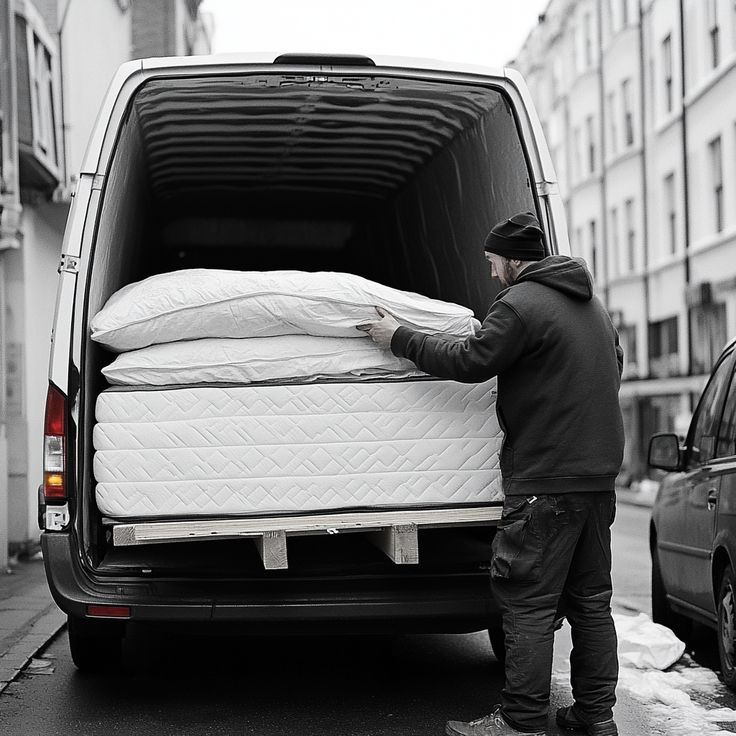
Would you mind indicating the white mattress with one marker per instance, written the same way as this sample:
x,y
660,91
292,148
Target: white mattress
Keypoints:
x,y
240,450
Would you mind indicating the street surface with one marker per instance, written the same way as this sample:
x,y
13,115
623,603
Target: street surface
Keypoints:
x,y
358,686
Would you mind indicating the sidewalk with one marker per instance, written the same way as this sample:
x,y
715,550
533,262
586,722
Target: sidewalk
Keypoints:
x,y
28,616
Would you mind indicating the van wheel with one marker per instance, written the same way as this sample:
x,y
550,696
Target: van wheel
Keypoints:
x,y
662,612
498,642
727,627
95,645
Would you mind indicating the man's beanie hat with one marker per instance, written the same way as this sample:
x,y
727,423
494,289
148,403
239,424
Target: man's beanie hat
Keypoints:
x,y
519,237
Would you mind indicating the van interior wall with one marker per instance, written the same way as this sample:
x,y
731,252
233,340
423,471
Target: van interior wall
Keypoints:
x,y
440,220
122,241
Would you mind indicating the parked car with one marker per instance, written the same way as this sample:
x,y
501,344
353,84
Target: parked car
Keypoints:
x,y
693,526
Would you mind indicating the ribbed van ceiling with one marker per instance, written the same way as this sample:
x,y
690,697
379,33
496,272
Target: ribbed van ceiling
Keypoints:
x,y
353,136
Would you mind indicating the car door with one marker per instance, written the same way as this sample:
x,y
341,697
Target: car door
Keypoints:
x,y
700,490
726,452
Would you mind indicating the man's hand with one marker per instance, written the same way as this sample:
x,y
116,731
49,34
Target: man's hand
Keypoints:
x,y
382,331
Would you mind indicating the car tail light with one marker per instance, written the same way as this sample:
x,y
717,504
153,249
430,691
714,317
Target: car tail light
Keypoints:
x,y
54,476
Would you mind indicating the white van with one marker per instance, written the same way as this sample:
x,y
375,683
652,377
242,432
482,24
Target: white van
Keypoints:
x,y
389,169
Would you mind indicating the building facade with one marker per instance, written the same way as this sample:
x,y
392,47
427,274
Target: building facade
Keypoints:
x,y
56,60
636,97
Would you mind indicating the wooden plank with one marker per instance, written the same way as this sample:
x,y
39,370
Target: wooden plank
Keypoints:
x,y
154,532
271,545
399,542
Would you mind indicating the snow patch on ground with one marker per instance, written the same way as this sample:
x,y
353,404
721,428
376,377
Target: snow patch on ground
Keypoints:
x,y
679,697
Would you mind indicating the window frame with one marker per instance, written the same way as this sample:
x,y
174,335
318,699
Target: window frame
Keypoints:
x,y
667,73
668,186
37,38
729,397
628,112
715,153
725,358
630,217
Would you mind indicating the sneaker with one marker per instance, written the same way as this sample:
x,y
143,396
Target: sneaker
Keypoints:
x,y
492,725
567,718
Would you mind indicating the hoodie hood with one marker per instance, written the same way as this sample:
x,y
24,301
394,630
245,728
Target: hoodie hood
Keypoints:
x,y
568,275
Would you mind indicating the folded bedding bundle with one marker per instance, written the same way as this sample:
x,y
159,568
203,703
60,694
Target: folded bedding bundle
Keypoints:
x,y
255,360
193,304
214,326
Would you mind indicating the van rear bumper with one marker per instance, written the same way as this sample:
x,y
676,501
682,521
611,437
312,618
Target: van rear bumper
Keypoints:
x,y
444,602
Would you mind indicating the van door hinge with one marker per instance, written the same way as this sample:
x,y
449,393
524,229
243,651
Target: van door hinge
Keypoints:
x,y
545,188
68,264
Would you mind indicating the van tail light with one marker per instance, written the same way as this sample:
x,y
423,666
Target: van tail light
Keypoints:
x,y
54,441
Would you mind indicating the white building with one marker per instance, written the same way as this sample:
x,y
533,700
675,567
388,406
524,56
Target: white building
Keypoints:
x,y
644,139
56,60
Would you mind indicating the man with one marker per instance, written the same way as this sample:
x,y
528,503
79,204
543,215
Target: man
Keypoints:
x,y
558,362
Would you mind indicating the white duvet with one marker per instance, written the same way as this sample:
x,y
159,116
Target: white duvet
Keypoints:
x,y
194,304
257,359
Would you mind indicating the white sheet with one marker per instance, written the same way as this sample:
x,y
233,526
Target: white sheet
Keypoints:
x,y
240,450
204,303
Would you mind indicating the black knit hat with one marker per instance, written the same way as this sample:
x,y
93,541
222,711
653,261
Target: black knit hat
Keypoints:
x,y
519,237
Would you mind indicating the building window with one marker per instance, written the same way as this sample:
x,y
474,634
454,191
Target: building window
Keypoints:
x,y
628,111
670,212
43,97
576,154
663,348
587,41
713,32
613,132
37,92
667,72
590,129
716,172
627,339
709,335
624,13
615,244
630,235
592,227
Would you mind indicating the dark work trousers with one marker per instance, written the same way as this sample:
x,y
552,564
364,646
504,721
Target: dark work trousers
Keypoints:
x,y
550,553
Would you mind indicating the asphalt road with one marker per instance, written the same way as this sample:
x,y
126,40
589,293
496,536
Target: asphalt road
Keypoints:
x,y
407,685
632,568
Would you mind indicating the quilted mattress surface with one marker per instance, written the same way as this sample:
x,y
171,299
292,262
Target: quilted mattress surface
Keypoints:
x,y
255,449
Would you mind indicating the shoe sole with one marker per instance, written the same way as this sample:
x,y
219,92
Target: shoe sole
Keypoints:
x,y
583,728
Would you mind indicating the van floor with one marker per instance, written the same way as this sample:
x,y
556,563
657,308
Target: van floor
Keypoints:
x,y
342,554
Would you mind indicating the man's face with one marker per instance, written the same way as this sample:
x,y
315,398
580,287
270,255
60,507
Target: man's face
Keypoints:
x,y
501,269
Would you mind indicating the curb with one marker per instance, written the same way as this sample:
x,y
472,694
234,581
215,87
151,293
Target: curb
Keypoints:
x,y
42,628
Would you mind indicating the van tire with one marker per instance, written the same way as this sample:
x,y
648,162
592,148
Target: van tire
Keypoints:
x,y
498,642
662,612
95,645
727,627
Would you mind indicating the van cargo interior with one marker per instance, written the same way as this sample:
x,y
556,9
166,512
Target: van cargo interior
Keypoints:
x,y
397,179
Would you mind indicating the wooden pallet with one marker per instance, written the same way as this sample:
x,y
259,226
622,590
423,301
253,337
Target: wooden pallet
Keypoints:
x,y
393,532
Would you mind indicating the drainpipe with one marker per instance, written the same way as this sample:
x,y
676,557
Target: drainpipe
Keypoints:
x,y
604,178
685,186
644,185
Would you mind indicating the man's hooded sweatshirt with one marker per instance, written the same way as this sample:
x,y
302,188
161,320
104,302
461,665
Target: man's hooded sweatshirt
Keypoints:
x,y
556,354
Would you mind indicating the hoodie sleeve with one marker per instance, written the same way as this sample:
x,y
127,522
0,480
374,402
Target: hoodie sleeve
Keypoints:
x,y
498,344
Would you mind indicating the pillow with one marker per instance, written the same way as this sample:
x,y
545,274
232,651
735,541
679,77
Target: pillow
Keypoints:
x,y
200,303
256,359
